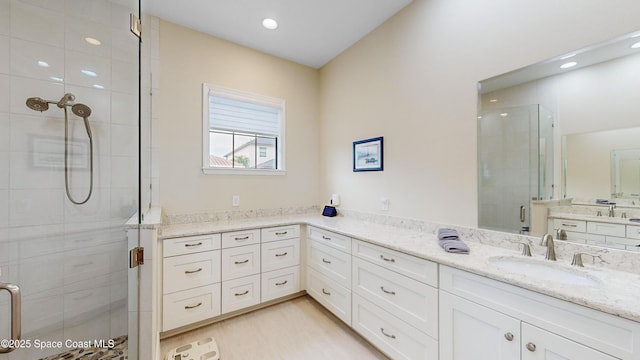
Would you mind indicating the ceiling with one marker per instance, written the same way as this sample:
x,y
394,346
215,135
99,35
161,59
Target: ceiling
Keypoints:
x,y
310,32
588,56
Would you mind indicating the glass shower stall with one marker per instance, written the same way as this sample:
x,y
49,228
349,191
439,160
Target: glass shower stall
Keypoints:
x,y
70,170
515,165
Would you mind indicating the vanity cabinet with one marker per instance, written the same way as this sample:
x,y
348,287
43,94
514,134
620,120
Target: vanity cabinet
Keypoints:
x,y
329,271
209,275
620,236
482,318
280,250
396,312
191,280
240,269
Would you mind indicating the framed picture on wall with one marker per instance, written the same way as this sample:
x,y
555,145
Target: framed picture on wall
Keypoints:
x,y
367,155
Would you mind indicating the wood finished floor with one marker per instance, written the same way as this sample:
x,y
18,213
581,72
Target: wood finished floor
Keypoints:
x,y
296,329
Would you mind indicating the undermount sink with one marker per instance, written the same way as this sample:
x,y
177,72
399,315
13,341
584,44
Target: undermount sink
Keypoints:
x,y
543,271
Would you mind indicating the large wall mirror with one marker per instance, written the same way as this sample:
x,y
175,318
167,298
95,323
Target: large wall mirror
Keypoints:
x,y
563,129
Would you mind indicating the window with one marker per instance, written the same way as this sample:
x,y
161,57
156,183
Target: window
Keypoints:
x,y
242,132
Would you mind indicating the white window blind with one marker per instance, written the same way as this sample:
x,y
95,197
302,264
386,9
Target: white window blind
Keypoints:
x,y
242,116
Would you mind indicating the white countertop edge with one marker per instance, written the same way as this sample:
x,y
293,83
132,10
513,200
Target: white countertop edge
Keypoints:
x,y
617,295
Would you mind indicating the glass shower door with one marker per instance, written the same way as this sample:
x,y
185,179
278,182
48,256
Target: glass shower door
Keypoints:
x,y
69,174
515,164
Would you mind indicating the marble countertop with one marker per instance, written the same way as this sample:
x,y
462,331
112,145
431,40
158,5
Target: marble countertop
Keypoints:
x,y
602,219
617,292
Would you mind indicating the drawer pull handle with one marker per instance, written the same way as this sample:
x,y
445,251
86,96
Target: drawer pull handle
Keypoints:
x,y
281,283
192,245
387,335
387,291
508,336
326,292
193,271
241,262
283,254
531,347
329,262
188,307
392,260
569,225
242,293
83,264
282,233
242,238
326,237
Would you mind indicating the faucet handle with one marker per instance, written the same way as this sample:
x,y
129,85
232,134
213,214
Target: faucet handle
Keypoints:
x,y
526,248
577,258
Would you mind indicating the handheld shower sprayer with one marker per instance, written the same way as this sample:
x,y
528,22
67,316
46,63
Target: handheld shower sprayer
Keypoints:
x,y
81,110
84,112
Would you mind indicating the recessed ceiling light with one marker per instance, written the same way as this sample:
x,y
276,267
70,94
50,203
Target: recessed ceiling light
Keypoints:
x,y
55,78
504,114
493,100
89,73
92,41
636,45
568,56
43,63
568,65
98,86
269,24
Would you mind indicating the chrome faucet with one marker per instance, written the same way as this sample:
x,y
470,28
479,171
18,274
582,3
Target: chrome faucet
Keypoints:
x,y
547,240
577,258
611,212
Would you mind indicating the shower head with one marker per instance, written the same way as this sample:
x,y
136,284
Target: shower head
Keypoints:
x,y
84,112
66,100
81,110
37,104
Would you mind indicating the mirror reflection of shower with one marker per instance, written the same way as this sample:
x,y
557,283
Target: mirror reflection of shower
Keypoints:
x,y
81,110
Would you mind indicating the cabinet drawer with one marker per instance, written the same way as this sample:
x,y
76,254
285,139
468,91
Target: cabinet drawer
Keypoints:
x,y
190,244
240,238
329,238
332,296
606,229
280,254
408,299
189,306
633,232
240,293
280,283
240,261
585,238
190,271
411,266
622,241
330,262
394,337
280,233
570,225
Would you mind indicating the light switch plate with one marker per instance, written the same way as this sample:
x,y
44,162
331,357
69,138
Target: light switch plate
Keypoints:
x,y
384,204
235,200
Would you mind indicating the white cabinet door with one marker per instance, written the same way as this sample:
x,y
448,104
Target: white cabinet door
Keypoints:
x,y
469,331
538,344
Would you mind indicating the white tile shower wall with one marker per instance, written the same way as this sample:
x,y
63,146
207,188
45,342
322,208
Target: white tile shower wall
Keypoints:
x,y
69,260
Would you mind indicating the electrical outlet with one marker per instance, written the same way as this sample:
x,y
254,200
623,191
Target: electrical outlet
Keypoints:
x,y
235,200
384,204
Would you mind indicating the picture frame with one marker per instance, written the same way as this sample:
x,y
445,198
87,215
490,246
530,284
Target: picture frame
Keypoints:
x,y
368,155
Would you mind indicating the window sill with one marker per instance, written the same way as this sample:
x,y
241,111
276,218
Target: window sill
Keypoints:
x,y
252,172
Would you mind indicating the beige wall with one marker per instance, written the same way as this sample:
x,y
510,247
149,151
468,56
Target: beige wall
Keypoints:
x,y
413,81
190,58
